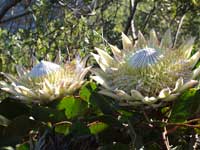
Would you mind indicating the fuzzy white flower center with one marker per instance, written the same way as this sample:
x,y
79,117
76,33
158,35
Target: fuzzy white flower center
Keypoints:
x,y
144,57
43,68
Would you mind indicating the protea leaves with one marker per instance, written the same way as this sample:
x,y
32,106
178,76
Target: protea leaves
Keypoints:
x,y
46,81
147,72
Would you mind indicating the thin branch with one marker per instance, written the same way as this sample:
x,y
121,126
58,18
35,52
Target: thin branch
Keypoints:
x,y
183,125
148,17
190,123
132,133
193,120
130,22
165,139
164,134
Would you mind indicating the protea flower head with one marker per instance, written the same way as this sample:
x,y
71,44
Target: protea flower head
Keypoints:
x,y
148,72
46,81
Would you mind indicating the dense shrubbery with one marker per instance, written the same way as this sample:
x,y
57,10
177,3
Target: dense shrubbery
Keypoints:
x,y
87,119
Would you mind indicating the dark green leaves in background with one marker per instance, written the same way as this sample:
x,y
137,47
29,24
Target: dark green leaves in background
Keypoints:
x,y
186,107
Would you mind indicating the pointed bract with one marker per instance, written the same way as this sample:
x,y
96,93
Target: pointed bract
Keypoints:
x,y
126,42
164,93
179,84
194,59
187,47
141,43
136,95
196,73
106,59
153,41
166,41
101,81
117,53
99,61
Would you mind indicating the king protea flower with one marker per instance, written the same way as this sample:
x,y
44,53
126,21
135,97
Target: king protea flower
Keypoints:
x,y
147,72
46,81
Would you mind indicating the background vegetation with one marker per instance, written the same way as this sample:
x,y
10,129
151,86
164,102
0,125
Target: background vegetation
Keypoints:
x,y
41,28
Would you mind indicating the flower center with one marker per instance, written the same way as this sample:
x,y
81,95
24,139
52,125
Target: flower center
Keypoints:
x,y
43,68
144,58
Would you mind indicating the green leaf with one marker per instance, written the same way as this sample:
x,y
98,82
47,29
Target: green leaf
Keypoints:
x,y
186,106
79,128
105,105
4,121
86,91
63,128
16,130
97,127
107,119
13,108
24,146
109,129
21,126
197,130
93,86
47,114
73,107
